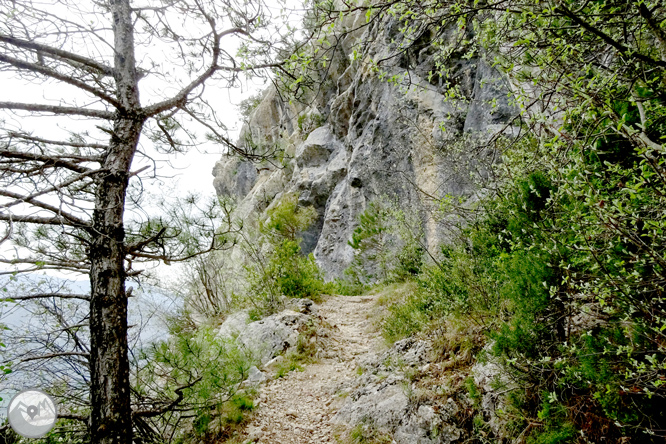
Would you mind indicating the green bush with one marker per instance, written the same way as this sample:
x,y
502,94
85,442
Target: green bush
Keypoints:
x,y
387,248
349,285
473,391
556,429
297,276
238,408
309,122
201,373
465,284
409,316
518,273
278,267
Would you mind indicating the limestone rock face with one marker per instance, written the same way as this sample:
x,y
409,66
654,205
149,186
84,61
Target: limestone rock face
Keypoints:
x,y
376,139
234,177
317,148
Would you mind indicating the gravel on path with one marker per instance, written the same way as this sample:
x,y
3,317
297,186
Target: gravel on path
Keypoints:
x,y
297,408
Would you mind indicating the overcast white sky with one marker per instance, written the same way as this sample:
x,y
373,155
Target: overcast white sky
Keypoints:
x,y
189,172
192,171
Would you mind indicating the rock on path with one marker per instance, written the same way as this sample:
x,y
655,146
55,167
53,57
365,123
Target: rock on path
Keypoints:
x,y
297,408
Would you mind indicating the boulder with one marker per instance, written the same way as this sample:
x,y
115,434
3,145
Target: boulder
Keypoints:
x,y
255,377
234,324
267,338
317,148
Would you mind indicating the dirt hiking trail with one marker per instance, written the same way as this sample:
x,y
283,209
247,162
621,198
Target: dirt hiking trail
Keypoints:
x,y
297,408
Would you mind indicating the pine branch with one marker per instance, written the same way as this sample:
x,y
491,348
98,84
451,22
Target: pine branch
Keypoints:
x,y
181,98
40,69
171,405
54,161
56,355
59,53
59,110
60,186
63,143
140,245
41,220
39,204
82,297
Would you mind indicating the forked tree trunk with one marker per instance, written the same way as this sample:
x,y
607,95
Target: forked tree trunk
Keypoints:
x,y
111,415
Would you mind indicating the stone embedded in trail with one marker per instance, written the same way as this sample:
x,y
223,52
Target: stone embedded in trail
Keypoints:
x,y
305,306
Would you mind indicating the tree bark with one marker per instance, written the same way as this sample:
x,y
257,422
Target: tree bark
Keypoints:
x,y
111,415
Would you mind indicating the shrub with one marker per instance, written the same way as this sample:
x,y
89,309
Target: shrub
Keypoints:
x,y
556,327
387,248
247,106
310,122
199,375
408,316
350,285
278,267
556,427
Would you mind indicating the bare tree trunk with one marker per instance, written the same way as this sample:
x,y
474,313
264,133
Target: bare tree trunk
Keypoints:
x,y
111,414
110,391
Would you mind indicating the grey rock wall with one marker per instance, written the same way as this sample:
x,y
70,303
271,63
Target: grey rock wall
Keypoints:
x,y
407,143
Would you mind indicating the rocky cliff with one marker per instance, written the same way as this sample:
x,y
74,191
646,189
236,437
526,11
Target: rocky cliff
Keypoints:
x,y
362,137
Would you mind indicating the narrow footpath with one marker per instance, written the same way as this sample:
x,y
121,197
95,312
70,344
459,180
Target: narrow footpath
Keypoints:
x,y
297,408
